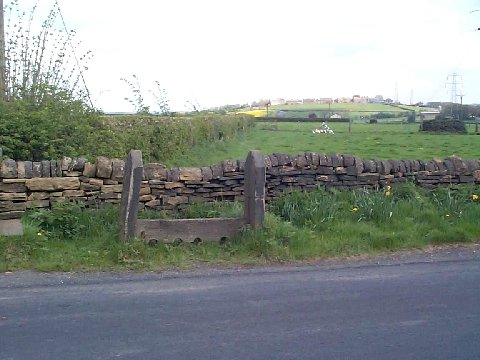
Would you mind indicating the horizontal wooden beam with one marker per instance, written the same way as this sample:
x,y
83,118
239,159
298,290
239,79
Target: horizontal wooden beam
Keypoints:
x,y
188,230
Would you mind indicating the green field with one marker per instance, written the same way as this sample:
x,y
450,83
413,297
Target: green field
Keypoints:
x,y
368,141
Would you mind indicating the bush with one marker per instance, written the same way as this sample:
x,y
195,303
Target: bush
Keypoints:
x,y
61,127
444,125
166,138
62,221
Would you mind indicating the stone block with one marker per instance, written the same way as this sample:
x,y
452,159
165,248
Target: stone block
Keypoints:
x,y
118,167
155,171
174,175
273,160
20,169
145,190
45,168
52,184
53,168
11,227
173,185
40,195
13,196
191,174
6,206
11,215
73,193
348,160
315,159
8,169
109,189
28,169
38,204
153,203
217,171
175,200
207,174
78,164
12,187
229,166
36,169
89,170
302,161
104,167
96,182
65,163
369,166
147,198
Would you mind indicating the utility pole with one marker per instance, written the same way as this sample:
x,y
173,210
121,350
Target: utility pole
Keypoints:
x,y
3,66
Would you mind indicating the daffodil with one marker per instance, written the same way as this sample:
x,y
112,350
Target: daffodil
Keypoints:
x,y
448,215
474,197
388,193
39,233
355,209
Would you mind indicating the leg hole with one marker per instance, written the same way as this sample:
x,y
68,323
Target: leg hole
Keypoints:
x,y
223,240
197,241
152,242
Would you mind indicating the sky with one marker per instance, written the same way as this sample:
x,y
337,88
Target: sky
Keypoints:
x,y
216,52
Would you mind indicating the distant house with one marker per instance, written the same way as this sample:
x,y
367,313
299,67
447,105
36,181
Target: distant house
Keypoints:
x,y
325,101
278,101
357,99
378,99
293,101
336,116
309,101
344,100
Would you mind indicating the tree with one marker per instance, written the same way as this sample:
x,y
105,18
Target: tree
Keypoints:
x,y
41,60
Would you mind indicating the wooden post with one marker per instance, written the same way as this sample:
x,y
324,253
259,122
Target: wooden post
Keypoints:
x,y
132,180
255,189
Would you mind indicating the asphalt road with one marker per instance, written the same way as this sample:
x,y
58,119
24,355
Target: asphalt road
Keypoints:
x,y
409,307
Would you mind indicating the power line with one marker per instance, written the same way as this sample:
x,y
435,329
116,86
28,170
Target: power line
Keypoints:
x,y
74,53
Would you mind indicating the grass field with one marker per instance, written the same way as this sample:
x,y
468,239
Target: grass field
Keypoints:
x,y
346,110
368,141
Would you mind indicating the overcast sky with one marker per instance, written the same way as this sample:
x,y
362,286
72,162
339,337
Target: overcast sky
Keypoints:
x,y
217,52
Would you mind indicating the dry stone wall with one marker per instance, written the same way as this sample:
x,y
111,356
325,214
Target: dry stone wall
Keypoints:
x,y
26,185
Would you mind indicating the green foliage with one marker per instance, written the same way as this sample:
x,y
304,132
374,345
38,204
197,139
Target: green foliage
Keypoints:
x,y
166,139
213,210
60,127
62,221
444,125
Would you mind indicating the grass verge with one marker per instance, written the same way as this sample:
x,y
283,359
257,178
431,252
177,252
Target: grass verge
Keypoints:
x,y
299,226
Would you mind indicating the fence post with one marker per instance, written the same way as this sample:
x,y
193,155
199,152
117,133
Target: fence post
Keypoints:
x,y
132,180
255,189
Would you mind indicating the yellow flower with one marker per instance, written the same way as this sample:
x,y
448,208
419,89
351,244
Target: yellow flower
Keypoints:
x,y
448,215
39,233
355,209
389,188
474,197
388,193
